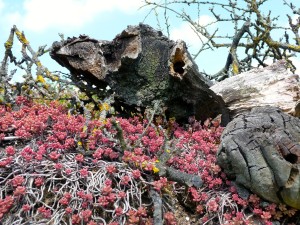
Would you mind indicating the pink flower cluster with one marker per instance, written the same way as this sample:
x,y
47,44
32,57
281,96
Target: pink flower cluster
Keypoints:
x,y
46,213
5,205
83,167
136,216
170,218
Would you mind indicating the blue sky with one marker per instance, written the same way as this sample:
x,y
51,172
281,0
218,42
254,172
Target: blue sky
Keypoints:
x,y
42,20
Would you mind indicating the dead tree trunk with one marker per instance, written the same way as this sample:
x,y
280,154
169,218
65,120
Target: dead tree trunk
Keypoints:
x,y
141,66
270,86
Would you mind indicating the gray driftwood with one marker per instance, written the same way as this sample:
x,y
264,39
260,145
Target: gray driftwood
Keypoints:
x,y
273,85
261,151
141,65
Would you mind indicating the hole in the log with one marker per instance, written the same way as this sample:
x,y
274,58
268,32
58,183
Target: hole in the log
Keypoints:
x,y
292,158
178,67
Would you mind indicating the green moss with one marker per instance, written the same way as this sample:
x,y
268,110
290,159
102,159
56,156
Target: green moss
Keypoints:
x,y
149,64
156,81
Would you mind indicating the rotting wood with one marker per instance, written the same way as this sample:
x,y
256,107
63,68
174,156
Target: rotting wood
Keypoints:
x,y
270,86
260,150
140,65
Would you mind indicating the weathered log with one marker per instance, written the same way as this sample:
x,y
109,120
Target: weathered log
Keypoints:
x,y
260,150
141,66
273,85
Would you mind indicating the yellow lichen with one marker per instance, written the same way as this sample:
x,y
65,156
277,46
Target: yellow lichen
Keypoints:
x,y
22,38
40,79
51,76
235,68
38,64
155,169
54,78
46,86
104,107
8,44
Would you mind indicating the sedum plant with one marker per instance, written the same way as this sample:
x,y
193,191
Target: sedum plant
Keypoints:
x,y
58,168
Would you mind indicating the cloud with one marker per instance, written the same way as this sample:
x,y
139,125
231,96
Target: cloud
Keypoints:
x,y
12,18
186,33
40,15
1,5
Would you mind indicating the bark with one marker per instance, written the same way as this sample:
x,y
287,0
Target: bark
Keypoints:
x,y
260,150
273,85
141,66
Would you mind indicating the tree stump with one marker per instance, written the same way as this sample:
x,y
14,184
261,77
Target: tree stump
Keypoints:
x,y
141,66
260,150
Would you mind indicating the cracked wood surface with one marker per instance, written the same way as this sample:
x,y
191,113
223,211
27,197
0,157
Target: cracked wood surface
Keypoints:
x,y
273,85
140,65
260,150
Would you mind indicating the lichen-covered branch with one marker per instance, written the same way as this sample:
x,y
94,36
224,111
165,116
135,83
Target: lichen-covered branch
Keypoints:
x,y
255,36
35,84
